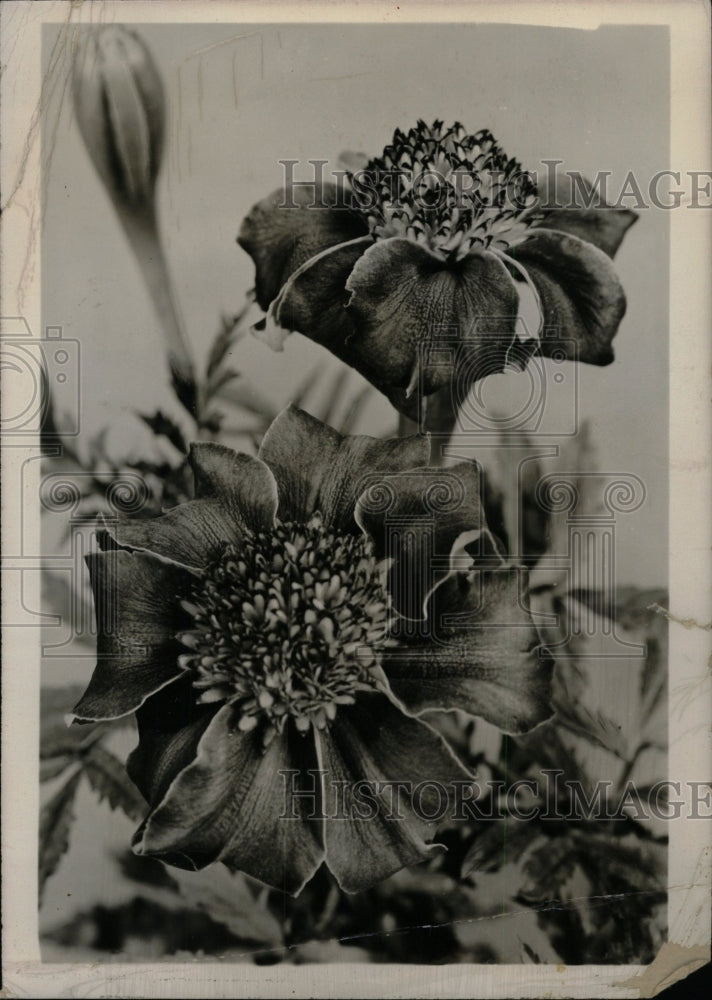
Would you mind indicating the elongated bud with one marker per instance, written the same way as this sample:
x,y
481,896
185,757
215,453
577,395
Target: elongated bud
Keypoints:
x,y
121,111
120,108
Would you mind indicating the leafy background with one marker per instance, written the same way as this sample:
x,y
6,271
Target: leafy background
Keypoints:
x,y
506,891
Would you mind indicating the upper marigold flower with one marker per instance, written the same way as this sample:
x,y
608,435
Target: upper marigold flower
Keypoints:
x,y
276,636
429,249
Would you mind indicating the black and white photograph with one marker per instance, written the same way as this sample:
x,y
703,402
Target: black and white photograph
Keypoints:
x,y
356,499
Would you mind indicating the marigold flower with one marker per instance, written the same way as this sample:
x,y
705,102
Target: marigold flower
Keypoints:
x,y
281,643
430,250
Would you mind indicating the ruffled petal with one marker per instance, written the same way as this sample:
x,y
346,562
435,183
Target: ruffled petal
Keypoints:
x,y
318,469
280,239
235,492
423,319
600,224
313,300
237,803
136,596
481,654
242,484
374,828
581,297
191,534
415,519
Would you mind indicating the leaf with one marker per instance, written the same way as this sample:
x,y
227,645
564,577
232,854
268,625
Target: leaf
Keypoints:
x,y
109,780
52,767
220,379
186,390
227,899
244,395
545,869
225,338
163,426
56,819
593,726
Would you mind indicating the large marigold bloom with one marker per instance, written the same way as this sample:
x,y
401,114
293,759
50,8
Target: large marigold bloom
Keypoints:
x,y
282,638
414,275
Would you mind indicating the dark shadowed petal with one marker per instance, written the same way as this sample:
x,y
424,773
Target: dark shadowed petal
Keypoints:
x,y
372,829
481,654
281,239
581,212
242,484
318,469
417,314
235,803
415,518
170,725
313,300
581,297
136,596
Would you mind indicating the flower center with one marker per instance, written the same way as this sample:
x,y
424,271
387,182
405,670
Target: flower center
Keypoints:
x,y
451,191
288,625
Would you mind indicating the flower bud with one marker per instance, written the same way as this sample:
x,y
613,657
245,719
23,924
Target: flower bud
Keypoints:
x,y
121,112
120,108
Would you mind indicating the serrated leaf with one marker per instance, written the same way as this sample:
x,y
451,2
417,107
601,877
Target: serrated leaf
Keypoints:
x,y
243,394
220,379
164,426
227,899
593,726
186,390
107,776
56,818
225,338
53,766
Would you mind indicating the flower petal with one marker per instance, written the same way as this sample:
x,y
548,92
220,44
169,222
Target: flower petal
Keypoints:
x,y
191,534
170,725
234,803
234,491
138,613
415,518
241,483
481,654
313,299
317,468
424,318
581,297
599,223
279,238
371,745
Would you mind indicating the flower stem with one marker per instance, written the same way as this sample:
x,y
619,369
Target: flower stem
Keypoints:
x,y
440,418
142,231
